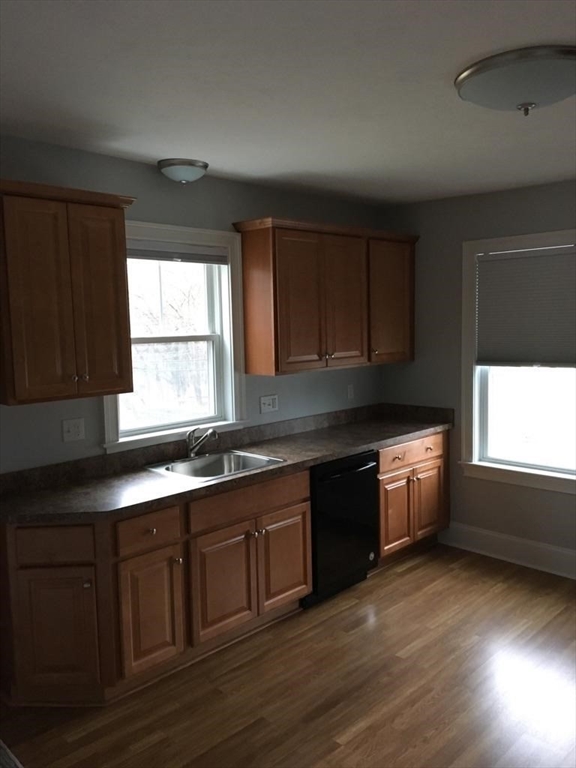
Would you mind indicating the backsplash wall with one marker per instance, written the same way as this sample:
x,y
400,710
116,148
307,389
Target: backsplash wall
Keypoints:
x,y
31,435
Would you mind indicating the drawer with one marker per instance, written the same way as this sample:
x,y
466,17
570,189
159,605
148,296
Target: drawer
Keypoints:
x,y
234,506
55,544
155,529
407,454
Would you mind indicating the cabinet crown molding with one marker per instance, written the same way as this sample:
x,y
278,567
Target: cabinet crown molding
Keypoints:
x,y
380,234
64,194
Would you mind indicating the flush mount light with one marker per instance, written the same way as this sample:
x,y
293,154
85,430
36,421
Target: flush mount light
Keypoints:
x,y
523,79
183,170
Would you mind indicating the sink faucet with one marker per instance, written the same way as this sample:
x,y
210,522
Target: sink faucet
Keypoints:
x,y
194,444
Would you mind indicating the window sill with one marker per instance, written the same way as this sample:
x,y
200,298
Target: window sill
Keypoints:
x,y
167,436
531,478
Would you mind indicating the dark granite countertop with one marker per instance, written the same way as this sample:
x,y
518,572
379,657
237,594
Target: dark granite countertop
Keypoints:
x,y
133,493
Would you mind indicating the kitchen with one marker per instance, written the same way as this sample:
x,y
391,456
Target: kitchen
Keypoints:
x,y
542,520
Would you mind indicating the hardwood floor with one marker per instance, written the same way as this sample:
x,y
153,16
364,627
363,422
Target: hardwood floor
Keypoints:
x,y
448,659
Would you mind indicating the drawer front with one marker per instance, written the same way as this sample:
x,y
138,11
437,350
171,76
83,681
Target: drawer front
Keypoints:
x,y
148,531
407,454
227,508
55,544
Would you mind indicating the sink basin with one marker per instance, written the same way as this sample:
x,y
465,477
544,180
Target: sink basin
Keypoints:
x,y
212,466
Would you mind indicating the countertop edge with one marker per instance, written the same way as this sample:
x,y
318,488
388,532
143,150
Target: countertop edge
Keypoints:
x,y
25,509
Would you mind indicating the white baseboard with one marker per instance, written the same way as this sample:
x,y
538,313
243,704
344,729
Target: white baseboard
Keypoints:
x,y
533,554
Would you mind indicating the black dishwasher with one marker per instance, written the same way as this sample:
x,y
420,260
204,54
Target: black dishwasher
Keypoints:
x,y
345,523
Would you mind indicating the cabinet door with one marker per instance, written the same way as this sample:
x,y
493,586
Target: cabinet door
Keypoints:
x,y
99,283
38,332
284,557
345,267
57,634
396,519
151,606
299,288
428,498
223,573
391,301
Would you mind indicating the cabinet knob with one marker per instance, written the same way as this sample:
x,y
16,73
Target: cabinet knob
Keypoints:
x,y
152,531
74,377
331,356
177,561
262,531
251,534
325,356
375,351
87,584
417,478
398,457
85,377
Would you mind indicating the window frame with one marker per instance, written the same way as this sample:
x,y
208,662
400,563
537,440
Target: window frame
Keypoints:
x,y
474,393
230,387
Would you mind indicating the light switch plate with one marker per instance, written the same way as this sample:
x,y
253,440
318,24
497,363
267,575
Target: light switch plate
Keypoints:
x,y
73,429
268,403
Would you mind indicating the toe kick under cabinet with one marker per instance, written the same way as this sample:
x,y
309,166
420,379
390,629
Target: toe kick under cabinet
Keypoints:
x,y
90,612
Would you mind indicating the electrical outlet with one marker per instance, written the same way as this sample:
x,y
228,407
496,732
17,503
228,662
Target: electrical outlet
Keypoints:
x,y
350,391
73,429
268,403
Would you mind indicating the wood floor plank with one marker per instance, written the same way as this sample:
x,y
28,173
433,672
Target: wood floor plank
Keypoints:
x,y
445,660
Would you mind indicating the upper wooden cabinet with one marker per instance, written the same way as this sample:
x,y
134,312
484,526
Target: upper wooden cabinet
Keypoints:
x,y
319,296
64,294
391,279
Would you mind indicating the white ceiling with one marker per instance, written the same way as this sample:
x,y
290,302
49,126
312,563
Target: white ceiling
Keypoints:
x,y
354,98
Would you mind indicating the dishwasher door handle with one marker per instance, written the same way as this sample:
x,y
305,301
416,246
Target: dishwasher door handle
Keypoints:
x,y
348,472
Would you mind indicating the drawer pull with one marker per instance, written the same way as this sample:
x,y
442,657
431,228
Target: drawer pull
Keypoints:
x,y
177,561
398,457
152,531
429,448
87,584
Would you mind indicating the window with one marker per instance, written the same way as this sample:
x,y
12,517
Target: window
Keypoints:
x,y
519,358
185,316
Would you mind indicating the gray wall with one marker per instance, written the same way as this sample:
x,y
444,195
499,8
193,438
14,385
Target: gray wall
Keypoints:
x,y
434,377
31,435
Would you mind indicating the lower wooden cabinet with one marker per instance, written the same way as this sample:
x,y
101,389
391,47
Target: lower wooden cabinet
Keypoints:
x,y
248,569
151,608
57,630
412,500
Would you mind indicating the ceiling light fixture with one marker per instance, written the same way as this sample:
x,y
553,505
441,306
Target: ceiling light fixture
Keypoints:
x,y
182,170
522,79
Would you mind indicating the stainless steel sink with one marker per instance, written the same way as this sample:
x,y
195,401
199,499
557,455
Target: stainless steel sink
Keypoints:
x,y
213,466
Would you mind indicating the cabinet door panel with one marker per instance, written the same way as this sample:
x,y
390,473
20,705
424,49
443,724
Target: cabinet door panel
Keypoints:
x,y
57,632
396,521
38,293
345,267
224,588
428,498
99,283
391,301
301,337
151,607
284,557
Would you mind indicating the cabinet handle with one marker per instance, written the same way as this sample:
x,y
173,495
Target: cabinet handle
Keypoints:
x,y
251,534
375,351
429,448
398,457
417,478
87,584
152,531
74,377
331,356
177,561
326,356
85,377
262,531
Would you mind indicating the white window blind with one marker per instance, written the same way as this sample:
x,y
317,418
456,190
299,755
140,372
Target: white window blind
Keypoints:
x,y
526,307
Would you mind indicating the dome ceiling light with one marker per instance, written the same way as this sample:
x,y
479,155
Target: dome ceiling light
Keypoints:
x,y
523,79
182,170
